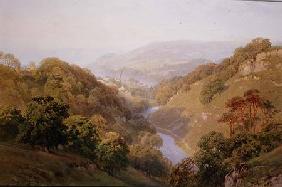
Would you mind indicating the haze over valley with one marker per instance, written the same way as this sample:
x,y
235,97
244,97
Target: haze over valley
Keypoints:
x,y
141,93
163,60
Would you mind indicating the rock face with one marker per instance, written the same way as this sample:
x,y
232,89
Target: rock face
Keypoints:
x,y
276,181
253,66
265,55
235,177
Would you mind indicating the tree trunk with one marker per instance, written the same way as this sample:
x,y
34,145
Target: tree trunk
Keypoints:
x,y
230,130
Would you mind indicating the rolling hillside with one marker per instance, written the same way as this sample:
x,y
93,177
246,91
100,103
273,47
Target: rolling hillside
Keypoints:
x,y
100,115
21,165
184,112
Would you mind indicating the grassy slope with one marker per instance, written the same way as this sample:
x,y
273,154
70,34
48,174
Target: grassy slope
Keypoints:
x,y
20,165
193,112
265,167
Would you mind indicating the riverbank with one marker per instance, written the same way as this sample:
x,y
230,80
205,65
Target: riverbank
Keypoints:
x,y
173,148
177,140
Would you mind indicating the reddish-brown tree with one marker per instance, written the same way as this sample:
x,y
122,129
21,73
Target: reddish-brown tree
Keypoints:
x,y
248,112
235,115
254,103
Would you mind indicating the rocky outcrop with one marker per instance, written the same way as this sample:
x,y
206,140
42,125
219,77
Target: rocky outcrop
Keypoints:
x,y
260,63
276,181
265,55
235,177
252,67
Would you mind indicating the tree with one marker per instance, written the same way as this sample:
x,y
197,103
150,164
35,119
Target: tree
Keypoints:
x,y
243,146
149,160
214,149
112,153
250,51
184,174
235,113
254,102
10,120
10,60
248,112
44,125
82,136
100,123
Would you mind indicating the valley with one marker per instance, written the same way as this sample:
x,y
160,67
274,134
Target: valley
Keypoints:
x,y
169,147
82,129
150,93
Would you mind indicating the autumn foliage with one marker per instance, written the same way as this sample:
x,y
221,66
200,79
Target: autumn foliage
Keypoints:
x,y
249,113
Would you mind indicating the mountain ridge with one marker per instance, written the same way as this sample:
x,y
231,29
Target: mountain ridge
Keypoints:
x,y
150,58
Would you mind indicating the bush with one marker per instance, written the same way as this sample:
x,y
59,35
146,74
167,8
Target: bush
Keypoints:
x,y
10,119
149,160
210,89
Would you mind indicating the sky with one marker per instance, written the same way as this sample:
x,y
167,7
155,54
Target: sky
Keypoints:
x,y
81,30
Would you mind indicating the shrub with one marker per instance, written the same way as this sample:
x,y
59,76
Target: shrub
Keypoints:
x,y
210,89
10,119
149,160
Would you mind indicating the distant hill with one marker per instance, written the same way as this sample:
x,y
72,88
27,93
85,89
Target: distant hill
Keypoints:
x,y
162,60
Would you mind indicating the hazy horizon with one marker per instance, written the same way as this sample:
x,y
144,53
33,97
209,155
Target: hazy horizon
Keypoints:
x,y
80,31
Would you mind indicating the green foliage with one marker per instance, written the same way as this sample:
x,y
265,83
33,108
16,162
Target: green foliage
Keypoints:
x,y
210,89
112,153
218,155
10,119
82,136
244,147
270,137
149,160
44,125
210,159
184,174
68,83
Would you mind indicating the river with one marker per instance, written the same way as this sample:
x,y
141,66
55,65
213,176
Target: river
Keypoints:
x,y
169,148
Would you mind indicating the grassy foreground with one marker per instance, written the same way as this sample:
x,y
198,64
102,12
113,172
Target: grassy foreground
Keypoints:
x,y
21,165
